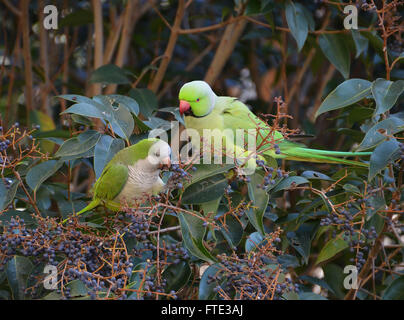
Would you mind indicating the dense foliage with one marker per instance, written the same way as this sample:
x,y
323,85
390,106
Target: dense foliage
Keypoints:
x,y
71,98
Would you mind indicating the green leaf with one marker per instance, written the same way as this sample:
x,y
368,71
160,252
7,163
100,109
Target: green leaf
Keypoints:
x,y
104,150
395,291
40,173
297,22
301,239
206,287
77,288
347,93
314,175
146,99
193,232
121,121
288,182
127,102
17,270
334,276
361,42
208,170
259,202
331,248
336,51
351,188
382,156
78,145
287,261
7,195
177,276
205,190
137,279
232,231
109,74
253,241
386,94
388,127
93,110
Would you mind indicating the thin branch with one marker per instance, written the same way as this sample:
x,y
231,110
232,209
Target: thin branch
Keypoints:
x,y
99,41
24,20
226,46
12,8
170,47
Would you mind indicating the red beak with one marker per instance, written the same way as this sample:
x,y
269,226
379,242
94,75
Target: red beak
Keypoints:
x,y
184,106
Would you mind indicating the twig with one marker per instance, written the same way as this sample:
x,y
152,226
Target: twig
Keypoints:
x,y
170,47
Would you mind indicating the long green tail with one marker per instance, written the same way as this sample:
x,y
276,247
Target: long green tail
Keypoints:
x,y
91,205
321,156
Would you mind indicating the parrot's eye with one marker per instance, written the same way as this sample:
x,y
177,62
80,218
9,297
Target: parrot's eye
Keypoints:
x,y
197,100
157,154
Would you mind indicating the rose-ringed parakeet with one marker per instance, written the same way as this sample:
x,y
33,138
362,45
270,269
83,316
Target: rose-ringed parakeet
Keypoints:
x,y
131,174
203,109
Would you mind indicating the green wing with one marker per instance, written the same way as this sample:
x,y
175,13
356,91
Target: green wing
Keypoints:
x,y
236,115
111,182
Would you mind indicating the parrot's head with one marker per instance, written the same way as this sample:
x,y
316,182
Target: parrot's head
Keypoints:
x,y
159,154
197,99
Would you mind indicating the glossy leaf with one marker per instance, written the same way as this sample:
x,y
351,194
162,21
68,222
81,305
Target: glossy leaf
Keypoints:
x,y
297,22
121,119
253,241
104,150
146,99
205,190
40,173
314,175
379,132
361,42
259,200
289,182
77,145
382,156
17,270
386,93
7,195
193,232
347,93
395,291
232,230
331,248
205,291
109,74
336,51
177,275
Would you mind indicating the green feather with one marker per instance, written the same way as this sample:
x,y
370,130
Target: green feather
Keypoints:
x,y
230,113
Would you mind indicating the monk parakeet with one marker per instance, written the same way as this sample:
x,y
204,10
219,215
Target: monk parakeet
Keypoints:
x,y
203,109
131,174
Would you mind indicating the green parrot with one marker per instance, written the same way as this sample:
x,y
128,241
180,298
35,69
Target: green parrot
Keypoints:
x,y
131,174
203,109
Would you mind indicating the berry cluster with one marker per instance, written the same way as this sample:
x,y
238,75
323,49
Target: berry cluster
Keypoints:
x,y
103,263
270,174
254,276
359,240
178,175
